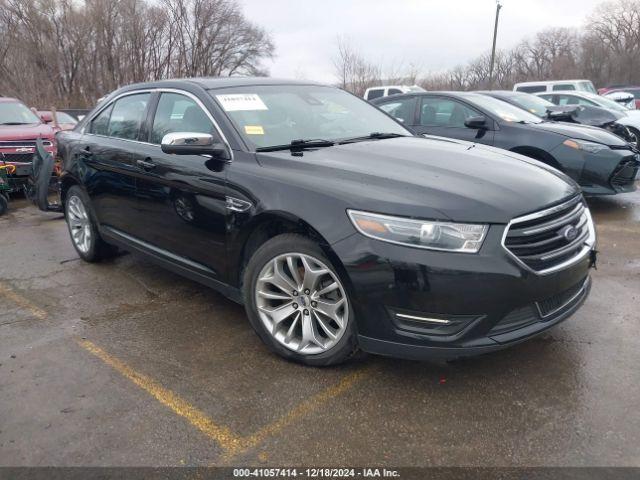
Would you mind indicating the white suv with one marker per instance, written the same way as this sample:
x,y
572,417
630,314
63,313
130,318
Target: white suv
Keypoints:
x,y
386,90
555,86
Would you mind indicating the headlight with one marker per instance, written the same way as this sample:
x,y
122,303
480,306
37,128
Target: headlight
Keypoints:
x,y
452,237
590,147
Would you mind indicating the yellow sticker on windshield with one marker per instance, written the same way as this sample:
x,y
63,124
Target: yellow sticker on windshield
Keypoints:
x,y
253,130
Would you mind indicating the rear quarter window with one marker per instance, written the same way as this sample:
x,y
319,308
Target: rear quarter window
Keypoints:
x,y
564,86
532,88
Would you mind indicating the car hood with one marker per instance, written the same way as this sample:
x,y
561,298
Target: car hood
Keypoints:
x,y
580,132
430,178
26,132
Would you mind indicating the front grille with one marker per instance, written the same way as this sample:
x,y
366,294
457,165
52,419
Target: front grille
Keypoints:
x,y
23,143
543,311
553,238
17,157
625,173
558,302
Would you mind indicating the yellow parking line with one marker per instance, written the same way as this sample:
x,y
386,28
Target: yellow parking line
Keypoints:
x,y
227,440
231,444
22,302
306,407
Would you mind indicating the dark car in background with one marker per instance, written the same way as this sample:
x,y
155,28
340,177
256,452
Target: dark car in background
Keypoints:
x,y
336,227
602,163
580,114
19,130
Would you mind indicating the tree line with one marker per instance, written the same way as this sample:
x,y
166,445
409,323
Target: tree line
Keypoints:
x,y
69,53
605,50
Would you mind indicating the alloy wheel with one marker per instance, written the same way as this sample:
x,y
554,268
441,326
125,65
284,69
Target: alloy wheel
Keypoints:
x,y
302,303
79,224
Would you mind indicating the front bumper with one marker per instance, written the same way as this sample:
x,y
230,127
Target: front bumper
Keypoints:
x,y
607,172
489,300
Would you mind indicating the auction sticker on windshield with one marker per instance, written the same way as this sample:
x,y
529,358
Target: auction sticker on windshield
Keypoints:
x,y
235,102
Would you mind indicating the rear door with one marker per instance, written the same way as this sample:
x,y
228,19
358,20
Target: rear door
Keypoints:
x,y
445,117
105,149
182,197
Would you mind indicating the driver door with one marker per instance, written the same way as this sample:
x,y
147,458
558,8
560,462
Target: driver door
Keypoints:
x,y
445,117
182,197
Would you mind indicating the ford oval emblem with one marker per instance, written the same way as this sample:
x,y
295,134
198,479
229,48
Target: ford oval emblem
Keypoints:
x,y
569,233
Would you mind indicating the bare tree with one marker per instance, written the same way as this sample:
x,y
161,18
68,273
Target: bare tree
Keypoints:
x,y
70,52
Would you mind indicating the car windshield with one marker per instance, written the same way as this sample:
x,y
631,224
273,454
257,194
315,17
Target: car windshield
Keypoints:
x,y
606,102
536,105
270,115
65,118
587,87
503,110
16,113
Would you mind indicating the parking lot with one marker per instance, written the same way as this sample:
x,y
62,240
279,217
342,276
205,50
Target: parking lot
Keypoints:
x,y
123,363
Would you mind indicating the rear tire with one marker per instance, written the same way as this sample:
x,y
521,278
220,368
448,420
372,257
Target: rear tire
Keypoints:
x,y
298,304
83,229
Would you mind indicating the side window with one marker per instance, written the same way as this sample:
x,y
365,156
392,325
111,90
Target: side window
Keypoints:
x,y
571,100
550,98
127,116
100,124
563,86
377,93
179,113
532,89
394,91
443,112
403,110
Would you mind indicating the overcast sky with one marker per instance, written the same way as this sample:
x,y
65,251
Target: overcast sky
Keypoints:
x,y
433,35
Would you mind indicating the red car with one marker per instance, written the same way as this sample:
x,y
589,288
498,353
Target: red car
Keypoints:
x,y
19,130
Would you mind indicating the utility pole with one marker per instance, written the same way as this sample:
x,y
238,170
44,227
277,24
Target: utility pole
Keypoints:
x,y
493,50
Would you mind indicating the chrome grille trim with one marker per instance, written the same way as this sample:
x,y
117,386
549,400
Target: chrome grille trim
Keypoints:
x,y
577,210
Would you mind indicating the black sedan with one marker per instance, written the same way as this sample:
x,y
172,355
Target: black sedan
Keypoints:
x,y
602,163
336,227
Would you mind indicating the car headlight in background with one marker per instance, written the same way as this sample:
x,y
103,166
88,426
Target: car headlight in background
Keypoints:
x,y
590,147
451,237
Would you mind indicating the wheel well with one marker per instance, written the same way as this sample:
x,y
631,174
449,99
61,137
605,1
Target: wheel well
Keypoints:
x,y
66,184
271,225
537,154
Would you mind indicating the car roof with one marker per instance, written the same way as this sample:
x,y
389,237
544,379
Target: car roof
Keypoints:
x,y
221,82
9,100
551,82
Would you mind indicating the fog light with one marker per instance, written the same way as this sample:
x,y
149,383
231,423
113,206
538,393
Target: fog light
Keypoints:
x,y
430,324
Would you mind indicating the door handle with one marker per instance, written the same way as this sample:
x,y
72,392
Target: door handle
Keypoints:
x,y
146,164
86,152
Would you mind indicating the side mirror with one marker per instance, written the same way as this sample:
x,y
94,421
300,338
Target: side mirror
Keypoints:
x,y
478,121
189,143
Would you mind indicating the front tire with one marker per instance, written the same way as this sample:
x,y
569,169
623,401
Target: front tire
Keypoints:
x,y
636,133
83,229
297,302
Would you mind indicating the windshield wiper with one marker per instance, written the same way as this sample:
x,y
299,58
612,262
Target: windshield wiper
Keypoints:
x,y
372,136
14,123
297,145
